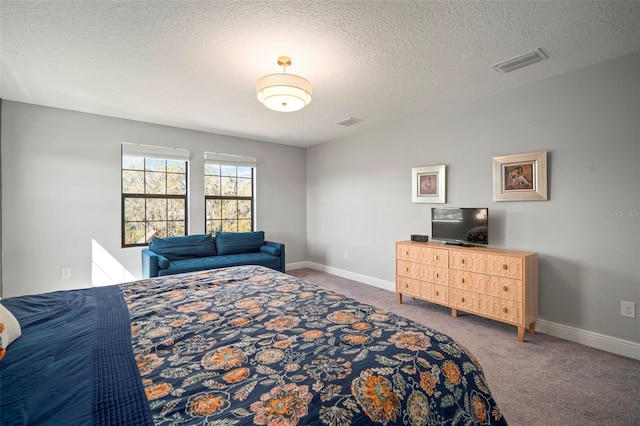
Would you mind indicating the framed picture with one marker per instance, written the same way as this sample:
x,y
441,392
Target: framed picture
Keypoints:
x,y
428,184
520,177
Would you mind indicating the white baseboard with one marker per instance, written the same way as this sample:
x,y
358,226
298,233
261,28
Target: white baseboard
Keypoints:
x,y
589,338
365,279
584,337
297,265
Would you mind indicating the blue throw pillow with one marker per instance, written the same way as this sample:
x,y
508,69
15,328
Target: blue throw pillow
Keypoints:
x,y
239,242
163,262
273,251
187,247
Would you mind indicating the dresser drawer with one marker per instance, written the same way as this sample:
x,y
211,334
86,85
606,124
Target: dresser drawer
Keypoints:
x,y
422,289
434,274
422,254
408,286
488,306
491,264
506,288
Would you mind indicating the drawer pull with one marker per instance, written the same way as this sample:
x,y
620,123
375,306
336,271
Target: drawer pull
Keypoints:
x,y
406,269
462,299
504,266
505,310
437,293
462,261
462,279
406,286
505,288
435,257
437,275
406,252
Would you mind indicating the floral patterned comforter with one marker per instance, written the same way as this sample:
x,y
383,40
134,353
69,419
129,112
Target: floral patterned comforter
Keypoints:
x,y
249,345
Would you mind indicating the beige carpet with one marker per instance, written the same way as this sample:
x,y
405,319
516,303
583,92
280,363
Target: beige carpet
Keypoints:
x,y
544,381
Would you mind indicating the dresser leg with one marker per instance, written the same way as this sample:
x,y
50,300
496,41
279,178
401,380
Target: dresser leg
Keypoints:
x,y
520,334
400,298
454,313
532,328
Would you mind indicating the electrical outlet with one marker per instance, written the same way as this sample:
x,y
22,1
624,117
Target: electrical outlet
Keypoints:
x,y
627,309
65,273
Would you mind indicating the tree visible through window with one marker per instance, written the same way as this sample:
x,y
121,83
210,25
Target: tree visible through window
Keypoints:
x,y
228,193
154,199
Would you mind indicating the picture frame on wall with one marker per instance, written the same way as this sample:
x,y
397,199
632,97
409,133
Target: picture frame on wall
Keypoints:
x,y
428,184
520,177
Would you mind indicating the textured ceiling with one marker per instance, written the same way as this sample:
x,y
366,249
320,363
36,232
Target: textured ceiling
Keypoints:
x,y
194,64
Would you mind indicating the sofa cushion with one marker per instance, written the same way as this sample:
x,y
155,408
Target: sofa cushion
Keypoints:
x,y
175,248
239,242
257,258
221,261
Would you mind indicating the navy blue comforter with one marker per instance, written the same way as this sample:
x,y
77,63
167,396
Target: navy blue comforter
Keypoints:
x,y
73,364
250,345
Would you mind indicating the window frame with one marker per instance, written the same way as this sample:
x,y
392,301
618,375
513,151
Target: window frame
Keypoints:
x,y
251,198
154,153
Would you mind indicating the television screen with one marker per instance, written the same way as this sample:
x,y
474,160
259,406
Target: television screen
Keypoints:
x,y
460,225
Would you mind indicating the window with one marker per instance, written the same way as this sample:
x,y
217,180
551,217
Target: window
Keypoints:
x,y
154,193
229,193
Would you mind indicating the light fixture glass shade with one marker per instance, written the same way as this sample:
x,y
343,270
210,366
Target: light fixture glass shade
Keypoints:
x,y
283,92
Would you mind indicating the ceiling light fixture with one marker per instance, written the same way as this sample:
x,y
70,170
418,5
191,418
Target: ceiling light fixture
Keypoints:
x,y
283,92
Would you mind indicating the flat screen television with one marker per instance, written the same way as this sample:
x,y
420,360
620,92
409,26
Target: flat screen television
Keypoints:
x,y
460,226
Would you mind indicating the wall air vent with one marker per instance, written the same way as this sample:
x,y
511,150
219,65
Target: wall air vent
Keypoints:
x,y
521,61
349,121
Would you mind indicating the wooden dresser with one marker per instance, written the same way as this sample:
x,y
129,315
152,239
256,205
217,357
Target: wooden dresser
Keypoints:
x,y
497,284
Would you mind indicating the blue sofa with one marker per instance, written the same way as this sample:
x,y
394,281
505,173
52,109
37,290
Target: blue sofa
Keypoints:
x,y
176,255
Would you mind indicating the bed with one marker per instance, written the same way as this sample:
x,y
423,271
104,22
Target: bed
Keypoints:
x,y
241,345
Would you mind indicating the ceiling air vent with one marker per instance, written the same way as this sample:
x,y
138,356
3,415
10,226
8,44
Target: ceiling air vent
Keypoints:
x,y
349,121
521,61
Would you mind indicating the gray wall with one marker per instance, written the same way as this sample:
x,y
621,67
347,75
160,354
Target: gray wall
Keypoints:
x,y
61,194
359,189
